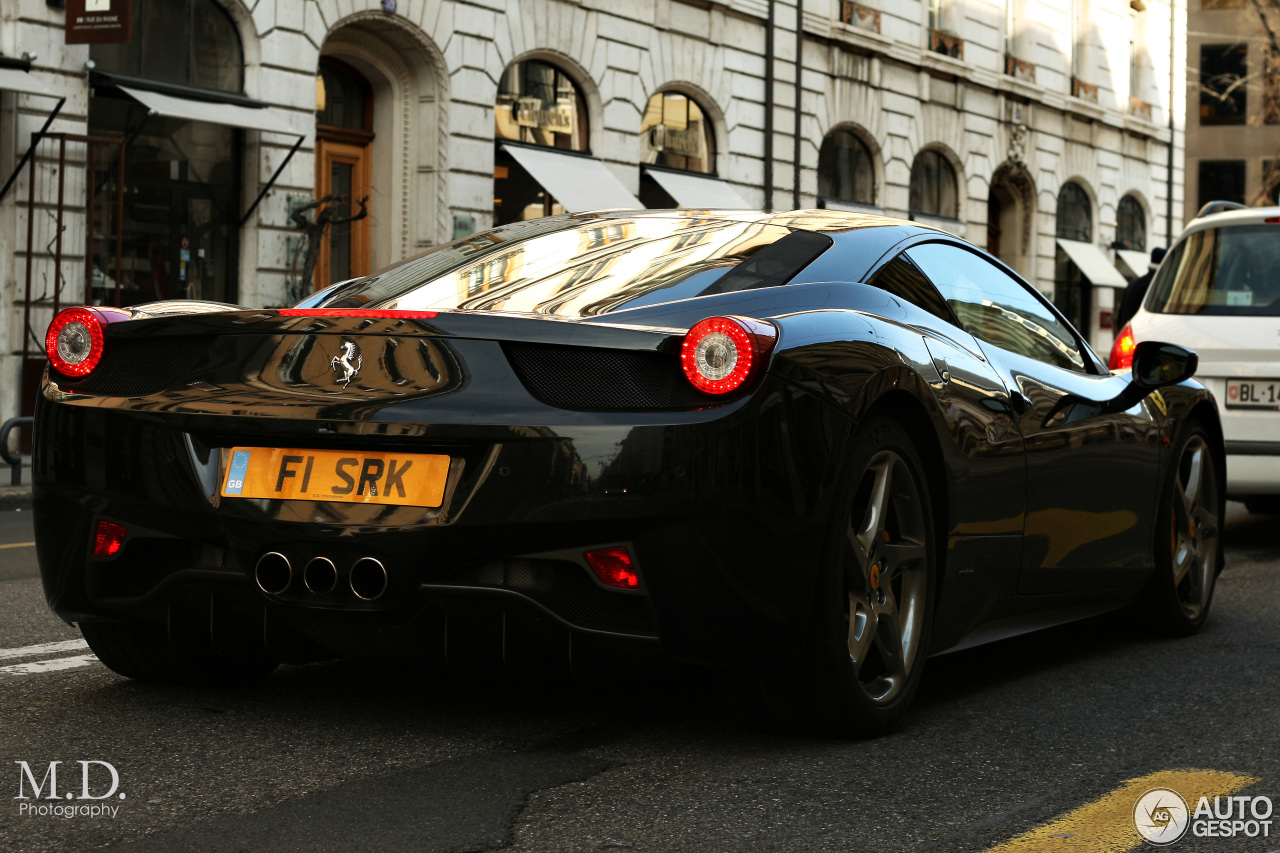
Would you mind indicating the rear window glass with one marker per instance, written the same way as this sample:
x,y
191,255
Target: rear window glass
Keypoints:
x,y
583,269
1230,270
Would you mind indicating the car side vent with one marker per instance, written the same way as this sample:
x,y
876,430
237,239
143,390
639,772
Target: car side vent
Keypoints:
x,y
594,379
138,367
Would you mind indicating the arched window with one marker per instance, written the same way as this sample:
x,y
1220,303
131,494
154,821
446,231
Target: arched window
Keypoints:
x,y
933,186
540,105
1072,291
1131,225
191,42
676,134
344,99
1075,213
845,171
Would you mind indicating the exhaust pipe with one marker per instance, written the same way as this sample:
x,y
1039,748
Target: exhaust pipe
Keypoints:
x,y
320,576
273,573
368,578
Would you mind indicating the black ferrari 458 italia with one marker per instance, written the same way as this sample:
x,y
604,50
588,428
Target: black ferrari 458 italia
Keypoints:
x,y
810,449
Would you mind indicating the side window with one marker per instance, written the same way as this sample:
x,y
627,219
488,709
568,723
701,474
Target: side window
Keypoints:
x,y
903,279
997,308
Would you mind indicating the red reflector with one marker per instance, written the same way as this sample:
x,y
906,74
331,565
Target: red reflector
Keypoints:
x,y
109,539
613,567
1122,350
356,312
1274,220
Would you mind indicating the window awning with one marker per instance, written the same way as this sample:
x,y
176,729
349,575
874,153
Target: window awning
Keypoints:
x,y
1137,262
1093,263
232,115
577,181
698,192
16,80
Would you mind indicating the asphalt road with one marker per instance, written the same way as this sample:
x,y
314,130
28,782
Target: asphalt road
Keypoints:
x,y
353,756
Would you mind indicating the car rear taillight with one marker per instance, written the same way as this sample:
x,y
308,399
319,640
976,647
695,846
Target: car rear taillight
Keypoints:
x,y
613,567
389,313
721,354
1122,349
108,539
75,342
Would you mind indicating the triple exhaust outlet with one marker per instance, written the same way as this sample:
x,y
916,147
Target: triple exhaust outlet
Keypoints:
x,y
367,578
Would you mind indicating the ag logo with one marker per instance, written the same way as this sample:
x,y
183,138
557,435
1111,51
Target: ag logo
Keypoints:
x,y
347,365
1161,816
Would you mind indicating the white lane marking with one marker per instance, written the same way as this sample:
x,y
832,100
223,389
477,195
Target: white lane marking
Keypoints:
x,y
35,666
43,649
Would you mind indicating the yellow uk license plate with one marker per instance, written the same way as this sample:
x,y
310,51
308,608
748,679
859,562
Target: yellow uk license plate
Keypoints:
x,y
405,479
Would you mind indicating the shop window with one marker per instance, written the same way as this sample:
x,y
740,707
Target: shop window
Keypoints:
x,y
1221,180
1223,94
933,186
538,104
1271,181
1073,292
1131,225
189,42
845,171
675,133
1271,88
182,179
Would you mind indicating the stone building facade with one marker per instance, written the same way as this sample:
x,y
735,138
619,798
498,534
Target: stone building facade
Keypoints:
x,y
1025,127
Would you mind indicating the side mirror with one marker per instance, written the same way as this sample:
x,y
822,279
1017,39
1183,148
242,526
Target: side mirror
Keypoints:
x,y
1157,364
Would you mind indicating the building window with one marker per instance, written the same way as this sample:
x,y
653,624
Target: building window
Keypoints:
x,y
1271,88
1221,180
1131,225
933,186
1137,51
676,134
1271,181
182,182
1223,93
344,158
845,172
538,104
1073,292
190,42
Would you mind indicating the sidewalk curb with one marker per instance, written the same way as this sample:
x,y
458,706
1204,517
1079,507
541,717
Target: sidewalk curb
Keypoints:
x,y
15,497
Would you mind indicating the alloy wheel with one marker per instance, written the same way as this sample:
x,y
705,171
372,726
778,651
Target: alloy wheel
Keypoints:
x,y
886,577
1194,533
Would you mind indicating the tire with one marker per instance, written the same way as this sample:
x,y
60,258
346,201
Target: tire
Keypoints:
x,y
873,612
1188,542
142,651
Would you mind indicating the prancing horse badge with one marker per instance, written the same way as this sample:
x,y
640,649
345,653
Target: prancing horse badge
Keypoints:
x,y
347,365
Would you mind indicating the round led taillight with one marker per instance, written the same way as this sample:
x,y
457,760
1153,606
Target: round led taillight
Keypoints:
x,y
74,342
720,354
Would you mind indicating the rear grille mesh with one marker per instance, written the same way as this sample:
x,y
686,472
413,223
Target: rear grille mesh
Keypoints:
x,y
596,379
138,367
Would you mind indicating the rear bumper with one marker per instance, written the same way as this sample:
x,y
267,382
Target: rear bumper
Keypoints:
x,y
723,516
1253,468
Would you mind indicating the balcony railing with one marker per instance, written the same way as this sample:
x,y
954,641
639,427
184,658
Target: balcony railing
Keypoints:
x,y
857,15
947,44
1019,69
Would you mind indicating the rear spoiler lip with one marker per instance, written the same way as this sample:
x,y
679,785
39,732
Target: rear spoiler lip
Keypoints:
x,y
469,325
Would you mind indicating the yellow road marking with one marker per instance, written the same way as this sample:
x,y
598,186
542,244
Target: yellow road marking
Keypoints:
x,y
17,545
1106,824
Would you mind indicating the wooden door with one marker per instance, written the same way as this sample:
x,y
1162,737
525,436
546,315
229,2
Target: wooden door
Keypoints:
x,y
342,169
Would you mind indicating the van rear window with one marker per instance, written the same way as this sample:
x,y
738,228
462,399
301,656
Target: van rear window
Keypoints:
x,y
1233,270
